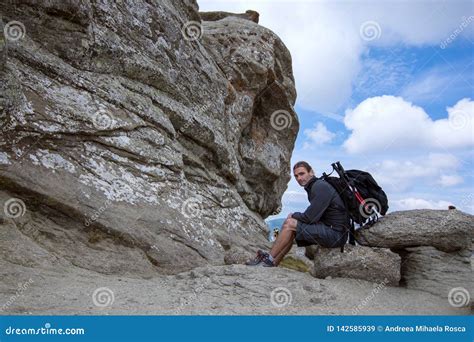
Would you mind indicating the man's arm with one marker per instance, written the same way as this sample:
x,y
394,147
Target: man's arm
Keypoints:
x,y
322,194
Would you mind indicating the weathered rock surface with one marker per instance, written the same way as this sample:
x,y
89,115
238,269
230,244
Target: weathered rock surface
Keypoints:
x,y
377,265
447,230
435,271
138,138
230,290
237,256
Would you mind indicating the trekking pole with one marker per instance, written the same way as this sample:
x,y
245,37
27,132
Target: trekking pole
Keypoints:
x,y
342,174
360,199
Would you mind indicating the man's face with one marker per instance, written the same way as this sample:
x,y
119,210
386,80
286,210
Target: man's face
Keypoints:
x,y
302,176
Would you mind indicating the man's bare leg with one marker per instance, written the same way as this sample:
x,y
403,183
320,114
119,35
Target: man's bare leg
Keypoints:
x,y
282,254
284,240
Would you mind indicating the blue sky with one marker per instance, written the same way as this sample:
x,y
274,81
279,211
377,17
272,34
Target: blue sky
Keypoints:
x,y
384,86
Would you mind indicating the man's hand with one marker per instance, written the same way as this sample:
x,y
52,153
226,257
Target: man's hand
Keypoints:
x,y
289,215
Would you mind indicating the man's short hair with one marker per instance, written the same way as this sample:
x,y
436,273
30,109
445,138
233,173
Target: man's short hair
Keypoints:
x,y
302,164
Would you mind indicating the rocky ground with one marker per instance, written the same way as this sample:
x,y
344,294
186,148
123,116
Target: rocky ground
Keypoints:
x,y
45,269
213,290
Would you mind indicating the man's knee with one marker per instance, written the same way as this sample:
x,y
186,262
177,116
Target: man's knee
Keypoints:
x,y
290,224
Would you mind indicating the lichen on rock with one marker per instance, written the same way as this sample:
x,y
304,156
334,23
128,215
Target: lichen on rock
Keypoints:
x,y
114,103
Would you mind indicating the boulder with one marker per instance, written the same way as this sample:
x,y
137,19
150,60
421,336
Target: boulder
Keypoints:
x,y
429,269
447,230
378,265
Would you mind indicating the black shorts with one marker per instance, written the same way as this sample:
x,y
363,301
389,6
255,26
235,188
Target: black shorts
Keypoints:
x,y
319,234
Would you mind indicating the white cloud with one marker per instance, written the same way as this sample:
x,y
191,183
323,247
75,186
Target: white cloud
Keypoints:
x,y
384,74
450,180
458,129
427,87
431,170
325,41
418,203
320,135
388,123
437,83
295,197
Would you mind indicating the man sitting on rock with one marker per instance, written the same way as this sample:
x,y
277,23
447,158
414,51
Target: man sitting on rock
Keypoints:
x,y
325,222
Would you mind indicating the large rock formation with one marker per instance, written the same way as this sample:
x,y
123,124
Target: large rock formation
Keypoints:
x,y
434,246
137,138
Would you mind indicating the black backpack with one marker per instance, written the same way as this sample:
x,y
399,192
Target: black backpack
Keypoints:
x,y
363,198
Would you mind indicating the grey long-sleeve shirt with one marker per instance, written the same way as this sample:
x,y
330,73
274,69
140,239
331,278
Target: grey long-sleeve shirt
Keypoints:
x,y
326,205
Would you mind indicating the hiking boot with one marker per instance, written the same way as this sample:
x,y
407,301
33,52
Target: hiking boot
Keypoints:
x,y
258,259
266,262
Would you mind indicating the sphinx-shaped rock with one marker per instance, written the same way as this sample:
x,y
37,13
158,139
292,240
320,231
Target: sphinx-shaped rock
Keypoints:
x,y
136,125
434,245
